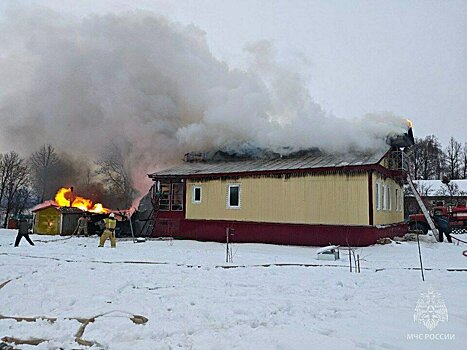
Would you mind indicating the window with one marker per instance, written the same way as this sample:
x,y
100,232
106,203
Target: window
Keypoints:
x,y
164,199
384,197
233,196
397,199
378,196
401,201
389,198
196,195
177,197
171,196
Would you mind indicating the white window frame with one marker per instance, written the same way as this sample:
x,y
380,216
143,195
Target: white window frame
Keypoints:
x,y
193,196
397,199
384,198
401,201
239,196
378,196
389,197
172,186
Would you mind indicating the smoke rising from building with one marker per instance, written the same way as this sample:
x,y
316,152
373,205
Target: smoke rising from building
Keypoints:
x,y
153,87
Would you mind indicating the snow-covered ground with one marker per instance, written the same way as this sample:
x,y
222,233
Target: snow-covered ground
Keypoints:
x,y
193,302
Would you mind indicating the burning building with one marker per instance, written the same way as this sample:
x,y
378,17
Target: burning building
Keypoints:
x,y
308,198
60,216
50,219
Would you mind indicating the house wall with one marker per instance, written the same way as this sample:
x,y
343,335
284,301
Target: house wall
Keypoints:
x,y
335,199
47,221
383,214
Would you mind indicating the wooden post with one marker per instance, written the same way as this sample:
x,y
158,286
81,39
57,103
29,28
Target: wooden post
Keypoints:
x,y
358,263
350,260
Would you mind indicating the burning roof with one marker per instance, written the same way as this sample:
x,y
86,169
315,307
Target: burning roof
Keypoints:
x,y
66,200
402,140
311,159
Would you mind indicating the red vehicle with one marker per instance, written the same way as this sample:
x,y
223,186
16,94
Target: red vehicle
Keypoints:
x,y
456,215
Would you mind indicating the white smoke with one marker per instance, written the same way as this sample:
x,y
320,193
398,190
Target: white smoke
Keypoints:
x,y
140,80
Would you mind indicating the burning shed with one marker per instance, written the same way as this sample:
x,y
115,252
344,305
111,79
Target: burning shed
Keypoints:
x,y
50,219
309,198
60,216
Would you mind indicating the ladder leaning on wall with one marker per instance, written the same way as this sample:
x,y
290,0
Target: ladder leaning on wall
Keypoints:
x,y
425,212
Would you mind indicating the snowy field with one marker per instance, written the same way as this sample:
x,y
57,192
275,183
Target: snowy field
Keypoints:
x,y
193,302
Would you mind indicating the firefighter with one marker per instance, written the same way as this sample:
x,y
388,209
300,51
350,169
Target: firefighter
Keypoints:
x,y
82,226
442,224
23,231
109,231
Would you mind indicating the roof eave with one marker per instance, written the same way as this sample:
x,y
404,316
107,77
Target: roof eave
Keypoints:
x,y
353,168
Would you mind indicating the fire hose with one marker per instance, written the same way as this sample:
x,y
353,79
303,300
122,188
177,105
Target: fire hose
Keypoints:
x,y
464,253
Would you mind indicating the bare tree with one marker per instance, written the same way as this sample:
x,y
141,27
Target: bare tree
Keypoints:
x,y
111,166
427,159
15,176
453,158
7,165
416,156
450,189
22,200
43,164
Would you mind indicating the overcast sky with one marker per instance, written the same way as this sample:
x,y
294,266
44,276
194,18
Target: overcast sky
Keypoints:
x,y
406,57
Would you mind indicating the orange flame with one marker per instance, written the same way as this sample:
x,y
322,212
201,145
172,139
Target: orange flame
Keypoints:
x,y
409,123
64,197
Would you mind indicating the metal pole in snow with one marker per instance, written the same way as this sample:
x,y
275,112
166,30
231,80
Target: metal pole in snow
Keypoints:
x,y
227,241
131,228
350,260
420,256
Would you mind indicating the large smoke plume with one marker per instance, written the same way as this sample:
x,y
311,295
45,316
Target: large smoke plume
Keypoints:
x,y
154,88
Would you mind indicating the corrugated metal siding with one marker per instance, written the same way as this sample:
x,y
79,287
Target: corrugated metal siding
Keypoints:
x,y
384,217
311,199
70,222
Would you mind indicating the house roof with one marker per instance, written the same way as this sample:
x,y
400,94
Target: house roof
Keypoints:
x,y
52,204
311,160
436,188
44,205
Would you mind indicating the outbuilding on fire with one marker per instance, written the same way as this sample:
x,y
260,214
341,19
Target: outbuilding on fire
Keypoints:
x,y
309,198
60,216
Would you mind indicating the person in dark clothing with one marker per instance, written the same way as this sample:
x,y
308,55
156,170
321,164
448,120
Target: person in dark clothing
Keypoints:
x,y
442,224
23,231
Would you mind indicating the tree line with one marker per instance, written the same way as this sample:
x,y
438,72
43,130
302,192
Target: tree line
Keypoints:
x,y
27,181
430,161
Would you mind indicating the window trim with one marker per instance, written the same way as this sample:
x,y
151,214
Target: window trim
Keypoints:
x,y
378,196
169,204
401,201
384,198
397,199
193,194
172,185
389,195
228,196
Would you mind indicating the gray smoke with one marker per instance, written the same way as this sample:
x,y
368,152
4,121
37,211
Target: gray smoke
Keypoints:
x,y
140,80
